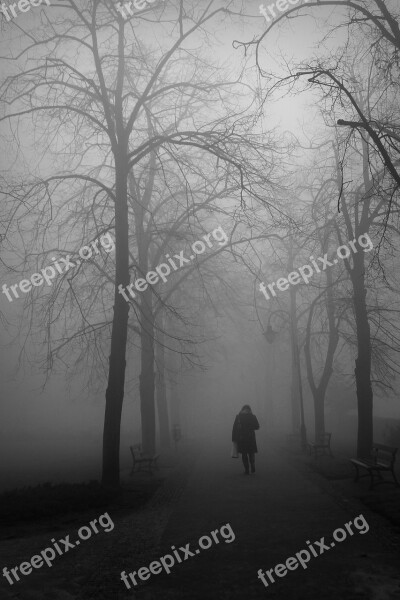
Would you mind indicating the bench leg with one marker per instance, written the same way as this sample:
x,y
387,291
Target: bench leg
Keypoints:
x,y
357,475
146,466
142,465
395,478
371,485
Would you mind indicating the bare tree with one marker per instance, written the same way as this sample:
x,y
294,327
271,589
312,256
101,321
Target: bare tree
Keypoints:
x,y
81,88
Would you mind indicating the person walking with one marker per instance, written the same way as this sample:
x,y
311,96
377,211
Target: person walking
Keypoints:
x,y
243,434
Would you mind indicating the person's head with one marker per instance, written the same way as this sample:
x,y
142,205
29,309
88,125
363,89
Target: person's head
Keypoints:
x,y
246,409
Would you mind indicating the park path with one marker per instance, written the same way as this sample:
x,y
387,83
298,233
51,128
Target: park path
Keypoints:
x,y
92,571
272,514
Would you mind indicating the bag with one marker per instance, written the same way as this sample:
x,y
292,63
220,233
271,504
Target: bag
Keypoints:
x,y
234,453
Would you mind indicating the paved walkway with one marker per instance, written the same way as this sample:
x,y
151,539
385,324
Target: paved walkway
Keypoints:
x,y
92,571
272,514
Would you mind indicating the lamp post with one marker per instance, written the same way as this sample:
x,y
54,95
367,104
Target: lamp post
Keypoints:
x,y
270,336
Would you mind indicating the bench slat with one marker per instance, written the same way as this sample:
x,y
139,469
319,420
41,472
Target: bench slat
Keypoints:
x,y
384,448
321,443
373,467
383,459
139,459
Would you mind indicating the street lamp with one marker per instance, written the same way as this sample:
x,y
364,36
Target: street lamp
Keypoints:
x,y
270,336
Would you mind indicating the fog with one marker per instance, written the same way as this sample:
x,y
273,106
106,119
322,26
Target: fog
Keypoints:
x,y
55,434
246,177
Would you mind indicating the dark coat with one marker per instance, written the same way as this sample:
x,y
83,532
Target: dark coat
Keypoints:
x,y
243,432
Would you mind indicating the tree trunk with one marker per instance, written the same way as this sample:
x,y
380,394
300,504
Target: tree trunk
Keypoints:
x,y
161,391
174,403
146,316
147,404
295,381
269,408
319,390
117,361
174,399
363,360
319,414
362,222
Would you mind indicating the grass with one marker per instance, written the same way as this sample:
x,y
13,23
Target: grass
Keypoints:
x,y
31,506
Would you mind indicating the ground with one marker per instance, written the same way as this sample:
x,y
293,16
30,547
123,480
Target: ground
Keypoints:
x,y
291,500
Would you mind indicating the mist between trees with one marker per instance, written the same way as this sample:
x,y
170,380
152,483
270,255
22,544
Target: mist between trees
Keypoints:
x,y
50,272
280,5
23,6
160,128
125,8
306,272
162,270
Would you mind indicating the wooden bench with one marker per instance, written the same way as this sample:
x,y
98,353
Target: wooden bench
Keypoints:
x,y
382,459
323,443
141,461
